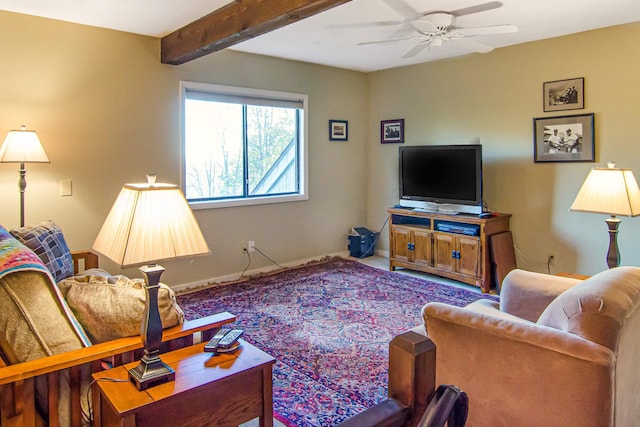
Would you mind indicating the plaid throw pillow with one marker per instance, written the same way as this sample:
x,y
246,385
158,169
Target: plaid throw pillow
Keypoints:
x,y
47,241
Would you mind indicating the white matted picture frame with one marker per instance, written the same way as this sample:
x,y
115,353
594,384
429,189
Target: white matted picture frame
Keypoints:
x,y
564,139
338,130
562,95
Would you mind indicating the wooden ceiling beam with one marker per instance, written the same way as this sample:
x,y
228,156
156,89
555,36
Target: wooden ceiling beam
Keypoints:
x,y
236,22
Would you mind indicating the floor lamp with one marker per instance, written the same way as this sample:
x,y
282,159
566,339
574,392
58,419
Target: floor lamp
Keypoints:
x,y
149,223
22,146
613,192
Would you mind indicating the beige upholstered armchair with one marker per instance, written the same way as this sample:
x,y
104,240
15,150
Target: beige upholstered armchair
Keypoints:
x,y
554,351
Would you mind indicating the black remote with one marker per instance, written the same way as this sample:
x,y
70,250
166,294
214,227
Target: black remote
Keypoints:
x,y
230,338
212,345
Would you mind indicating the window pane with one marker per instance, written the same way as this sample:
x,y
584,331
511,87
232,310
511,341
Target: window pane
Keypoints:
x,y
272,154
242,146
213,150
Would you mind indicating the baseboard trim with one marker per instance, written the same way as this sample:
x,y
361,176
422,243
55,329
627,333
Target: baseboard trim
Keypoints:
x,y
235,277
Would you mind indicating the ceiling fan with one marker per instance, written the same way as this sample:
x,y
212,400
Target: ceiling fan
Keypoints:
x,y
434,29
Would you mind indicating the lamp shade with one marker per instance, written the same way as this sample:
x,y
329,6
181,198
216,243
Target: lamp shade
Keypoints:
x,y
22,146
149,223
609,191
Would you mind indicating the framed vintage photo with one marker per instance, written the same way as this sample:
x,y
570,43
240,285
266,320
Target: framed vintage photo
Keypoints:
x,y
392,131
564,139
563,94
338,130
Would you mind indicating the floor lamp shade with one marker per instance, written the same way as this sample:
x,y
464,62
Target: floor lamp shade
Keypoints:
x,y
22,146
149,223
613,192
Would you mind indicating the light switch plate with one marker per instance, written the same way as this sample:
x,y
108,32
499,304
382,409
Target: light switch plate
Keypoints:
x,y
66,188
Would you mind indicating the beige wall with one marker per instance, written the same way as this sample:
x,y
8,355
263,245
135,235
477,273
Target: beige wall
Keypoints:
x,y
107,113
492,99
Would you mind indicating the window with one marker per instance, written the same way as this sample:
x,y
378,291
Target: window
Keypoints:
x,y
242,146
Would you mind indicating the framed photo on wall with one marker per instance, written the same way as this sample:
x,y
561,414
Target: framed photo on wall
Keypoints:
x,y
564,139
338,130
392,131
563,94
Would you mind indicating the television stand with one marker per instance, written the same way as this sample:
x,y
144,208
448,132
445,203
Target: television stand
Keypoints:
x,y
456,247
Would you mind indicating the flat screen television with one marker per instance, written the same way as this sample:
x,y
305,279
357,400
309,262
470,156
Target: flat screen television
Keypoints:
x,y
441,178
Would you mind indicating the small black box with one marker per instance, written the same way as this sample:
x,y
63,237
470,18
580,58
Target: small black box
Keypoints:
x,y
362,242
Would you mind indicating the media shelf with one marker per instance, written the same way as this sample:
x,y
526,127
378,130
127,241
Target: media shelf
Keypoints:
x,y
453,246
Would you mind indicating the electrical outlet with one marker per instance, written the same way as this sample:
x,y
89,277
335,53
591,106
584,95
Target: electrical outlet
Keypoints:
x,y
249,246
551,259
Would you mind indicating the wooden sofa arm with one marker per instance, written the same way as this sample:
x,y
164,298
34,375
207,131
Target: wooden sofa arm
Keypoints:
x,y
17,385
84,260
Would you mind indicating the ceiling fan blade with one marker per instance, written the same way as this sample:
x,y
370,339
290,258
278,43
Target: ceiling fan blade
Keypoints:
x,y
403,8
493,29
367,24
416,50
402,32
384,41
477,8
473,45
424,26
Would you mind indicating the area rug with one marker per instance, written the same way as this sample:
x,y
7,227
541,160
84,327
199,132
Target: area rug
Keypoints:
x,y
328,325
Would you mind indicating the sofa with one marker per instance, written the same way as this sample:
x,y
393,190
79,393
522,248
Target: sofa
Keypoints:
x,y
58,325
554,351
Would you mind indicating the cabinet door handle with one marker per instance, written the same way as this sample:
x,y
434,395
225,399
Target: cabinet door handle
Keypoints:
x,y
455,254
411,246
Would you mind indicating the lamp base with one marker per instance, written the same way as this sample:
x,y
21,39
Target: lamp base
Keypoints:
x,y
613,254
151,372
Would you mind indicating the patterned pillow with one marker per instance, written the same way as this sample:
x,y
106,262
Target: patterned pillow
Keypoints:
x,y
47,241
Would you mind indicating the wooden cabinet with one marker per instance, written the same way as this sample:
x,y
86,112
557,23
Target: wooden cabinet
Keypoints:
x,y
454,246
455,253
412,245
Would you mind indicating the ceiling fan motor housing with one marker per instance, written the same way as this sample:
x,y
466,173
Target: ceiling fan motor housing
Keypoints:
x,y
440,20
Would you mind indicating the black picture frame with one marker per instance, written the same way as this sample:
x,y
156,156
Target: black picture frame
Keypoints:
x,y
338,130
564,138
392,131
559,95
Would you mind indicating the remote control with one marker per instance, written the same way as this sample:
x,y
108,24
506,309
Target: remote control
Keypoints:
x,y
212,345
230,338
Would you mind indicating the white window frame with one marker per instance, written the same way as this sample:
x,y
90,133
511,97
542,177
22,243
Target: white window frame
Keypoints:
x,y
303,163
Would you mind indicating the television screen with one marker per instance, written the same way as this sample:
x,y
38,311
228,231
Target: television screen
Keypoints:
x,y
441,174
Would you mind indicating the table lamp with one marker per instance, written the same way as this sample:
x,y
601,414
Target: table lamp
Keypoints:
x,y
149,223
613,192
22,146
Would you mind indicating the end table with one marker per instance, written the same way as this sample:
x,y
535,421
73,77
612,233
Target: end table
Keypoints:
x,y
225,389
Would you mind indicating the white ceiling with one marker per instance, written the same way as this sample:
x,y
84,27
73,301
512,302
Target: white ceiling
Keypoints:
x,y
331,38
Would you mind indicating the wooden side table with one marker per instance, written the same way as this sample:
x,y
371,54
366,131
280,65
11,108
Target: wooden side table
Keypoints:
x,y
573,275
226,389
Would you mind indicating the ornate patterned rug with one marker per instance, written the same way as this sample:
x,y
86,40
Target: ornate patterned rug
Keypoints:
x,y
328,325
